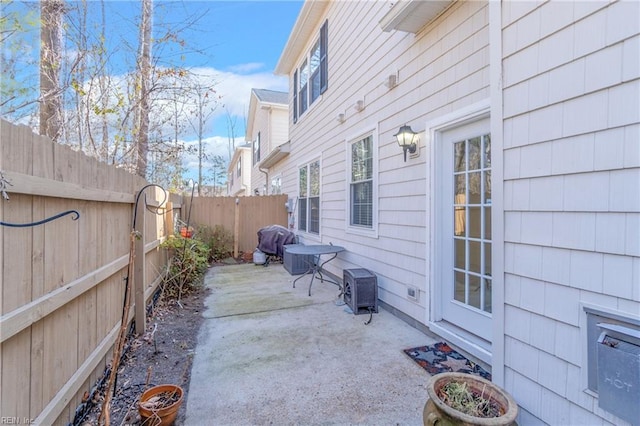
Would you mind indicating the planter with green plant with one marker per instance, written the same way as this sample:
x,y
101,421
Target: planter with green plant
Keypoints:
x,y
466,399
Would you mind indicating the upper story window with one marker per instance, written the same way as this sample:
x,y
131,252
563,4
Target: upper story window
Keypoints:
x,y
239,168
311,79
256,150
309,199
276,185
362,185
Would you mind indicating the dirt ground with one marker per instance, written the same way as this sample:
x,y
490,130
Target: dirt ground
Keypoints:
x,y
163,355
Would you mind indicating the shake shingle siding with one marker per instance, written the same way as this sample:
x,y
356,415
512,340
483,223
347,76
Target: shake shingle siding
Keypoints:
x,y
561,82
572,167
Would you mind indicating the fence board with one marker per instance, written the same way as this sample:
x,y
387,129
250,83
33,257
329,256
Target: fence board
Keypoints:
x,y
253,213
62,282
16,275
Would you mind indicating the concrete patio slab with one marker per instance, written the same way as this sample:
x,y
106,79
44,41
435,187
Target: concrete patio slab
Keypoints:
x,y
269,354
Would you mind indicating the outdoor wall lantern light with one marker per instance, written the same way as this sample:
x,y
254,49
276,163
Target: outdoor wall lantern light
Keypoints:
x,y
407,139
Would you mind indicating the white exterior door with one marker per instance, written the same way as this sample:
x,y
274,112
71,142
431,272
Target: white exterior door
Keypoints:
x,y
463,231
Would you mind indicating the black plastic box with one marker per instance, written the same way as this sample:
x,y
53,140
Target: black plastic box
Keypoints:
x,y
360,290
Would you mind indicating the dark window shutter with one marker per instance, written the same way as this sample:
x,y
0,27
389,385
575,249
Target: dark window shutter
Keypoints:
x,y
324,41
295,96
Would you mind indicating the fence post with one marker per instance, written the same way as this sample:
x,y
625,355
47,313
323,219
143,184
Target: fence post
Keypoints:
x,y
139,272
168,219
236,229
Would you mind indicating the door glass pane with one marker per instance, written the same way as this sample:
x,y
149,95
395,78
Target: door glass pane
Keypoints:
x,y
487,187
472,222
474,291
459,287
487,259
460,188
475,189
459,221
474,153
487,223
486,160
487,295
459,255
474,256
459,157
475,222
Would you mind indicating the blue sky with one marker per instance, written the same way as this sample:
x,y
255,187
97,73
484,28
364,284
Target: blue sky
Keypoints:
x,y
238,45
242,42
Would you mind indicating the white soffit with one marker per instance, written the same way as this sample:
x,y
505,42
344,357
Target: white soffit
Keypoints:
x,y
412,15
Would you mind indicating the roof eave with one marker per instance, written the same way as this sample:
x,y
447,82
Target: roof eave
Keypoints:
x,y
413,15
311,13
275,156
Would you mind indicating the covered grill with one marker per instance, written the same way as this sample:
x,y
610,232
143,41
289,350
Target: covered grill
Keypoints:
x,y
273,238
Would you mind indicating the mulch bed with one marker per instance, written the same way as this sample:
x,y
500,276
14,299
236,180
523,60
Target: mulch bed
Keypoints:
x,y
163,355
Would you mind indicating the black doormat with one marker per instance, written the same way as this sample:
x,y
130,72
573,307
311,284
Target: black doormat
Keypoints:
x,y
441,358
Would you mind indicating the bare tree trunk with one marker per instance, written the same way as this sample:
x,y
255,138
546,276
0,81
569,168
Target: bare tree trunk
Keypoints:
x,y
231,134
104,86
51,14
141,122
200,147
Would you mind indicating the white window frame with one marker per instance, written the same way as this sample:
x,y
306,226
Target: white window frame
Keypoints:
x,y
304,68
277,178
256,150
306,232
371,232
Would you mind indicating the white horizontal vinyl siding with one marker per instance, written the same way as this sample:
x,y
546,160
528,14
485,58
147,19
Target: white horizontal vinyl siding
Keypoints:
x,y
442,68
279,127
260,125
572,200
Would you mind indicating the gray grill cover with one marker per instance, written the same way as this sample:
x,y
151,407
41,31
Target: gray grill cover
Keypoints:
x,y
272,238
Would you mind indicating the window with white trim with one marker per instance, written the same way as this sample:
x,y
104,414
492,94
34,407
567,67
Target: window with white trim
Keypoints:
x,y
311,78
256,150
276,185
361,183
239,168
309,199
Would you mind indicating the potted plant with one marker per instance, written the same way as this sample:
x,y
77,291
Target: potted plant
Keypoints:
x,y
467,399
159,405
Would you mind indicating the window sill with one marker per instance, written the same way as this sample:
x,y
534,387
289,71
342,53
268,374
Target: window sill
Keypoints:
x,y
309,108
365,232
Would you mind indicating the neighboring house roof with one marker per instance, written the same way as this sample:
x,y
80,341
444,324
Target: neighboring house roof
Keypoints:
x,y
271,96
264,98
236,155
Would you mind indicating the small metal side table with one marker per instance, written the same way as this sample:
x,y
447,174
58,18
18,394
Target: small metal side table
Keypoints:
x,y
316,251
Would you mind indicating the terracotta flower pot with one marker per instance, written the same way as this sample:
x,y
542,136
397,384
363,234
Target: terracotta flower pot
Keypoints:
x,y
160,414
436,411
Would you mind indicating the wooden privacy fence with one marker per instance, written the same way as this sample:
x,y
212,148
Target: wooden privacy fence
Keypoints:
x,y
242,216
62,282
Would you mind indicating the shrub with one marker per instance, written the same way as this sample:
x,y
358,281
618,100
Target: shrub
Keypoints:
x,y
218,239
189,260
